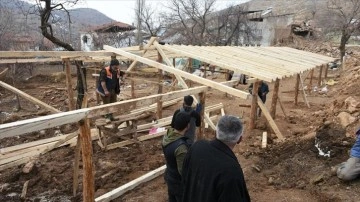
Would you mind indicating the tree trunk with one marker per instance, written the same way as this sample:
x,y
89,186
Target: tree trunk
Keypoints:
x,y
344,38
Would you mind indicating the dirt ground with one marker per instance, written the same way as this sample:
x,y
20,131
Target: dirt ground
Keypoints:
x,y
285,171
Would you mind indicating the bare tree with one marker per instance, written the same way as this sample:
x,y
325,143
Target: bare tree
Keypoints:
x,y
150,21
46,9
344,16
189,18
6,27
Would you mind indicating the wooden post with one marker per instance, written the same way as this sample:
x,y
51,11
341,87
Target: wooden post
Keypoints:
x,y
311,80
76,166
274,98
132,88
282,107
254,105
320,74
160,60
326,71
159,109
88,176
201,133
297,88
68,84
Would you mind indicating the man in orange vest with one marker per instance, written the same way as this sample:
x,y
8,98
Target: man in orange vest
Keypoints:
x,y
109,84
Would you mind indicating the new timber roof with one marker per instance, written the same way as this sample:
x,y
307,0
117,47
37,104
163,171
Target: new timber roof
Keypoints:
x,y
265,63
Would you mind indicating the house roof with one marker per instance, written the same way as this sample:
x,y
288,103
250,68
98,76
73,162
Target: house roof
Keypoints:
x,y
115,26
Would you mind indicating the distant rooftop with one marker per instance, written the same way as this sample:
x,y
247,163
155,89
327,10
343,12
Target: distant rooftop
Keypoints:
x,y
115,26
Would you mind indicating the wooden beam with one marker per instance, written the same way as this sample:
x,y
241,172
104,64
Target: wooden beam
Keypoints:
x,y
253,110
76,165
326,71
303,91
3,73
69,85
311,80
320,74
39,123
274,98
297,89
88,174
131,185
36,60
28,97
202,115
282,107
192,77
128,105
264,140
133,64
29,54
270,120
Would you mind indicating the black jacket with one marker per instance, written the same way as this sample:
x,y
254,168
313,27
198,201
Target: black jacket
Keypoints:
x,y
212,173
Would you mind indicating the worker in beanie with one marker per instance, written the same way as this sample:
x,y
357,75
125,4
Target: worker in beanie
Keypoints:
x,y
109,84
194,114
175,147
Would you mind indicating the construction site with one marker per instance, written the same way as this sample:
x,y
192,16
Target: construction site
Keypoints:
x,y
52,152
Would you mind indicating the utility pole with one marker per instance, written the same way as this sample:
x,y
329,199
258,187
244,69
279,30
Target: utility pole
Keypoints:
x,y
139,10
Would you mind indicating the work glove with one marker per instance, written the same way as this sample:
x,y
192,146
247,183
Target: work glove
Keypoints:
x,y
198,108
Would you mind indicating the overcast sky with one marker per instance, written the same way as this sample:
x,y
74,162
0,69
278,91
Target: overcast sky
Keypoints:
x,y
124,10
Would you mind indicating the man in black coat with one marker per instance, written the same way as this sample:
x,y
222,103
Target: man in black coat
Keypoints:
x,y
211,171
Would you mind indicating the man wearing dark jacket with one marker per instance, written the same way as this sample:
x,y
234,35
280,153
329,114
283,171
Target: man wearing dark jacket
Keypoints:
x,y
175,147
109,84
194,114
263,90
211,171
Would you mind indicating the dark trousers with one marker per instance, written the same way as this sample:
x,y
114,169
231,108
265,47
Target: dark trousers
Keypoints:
x,y
111,98
174,198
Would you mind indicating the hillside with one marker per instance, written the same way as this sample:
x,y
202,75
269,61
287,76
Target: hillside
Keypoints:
x,y
25,21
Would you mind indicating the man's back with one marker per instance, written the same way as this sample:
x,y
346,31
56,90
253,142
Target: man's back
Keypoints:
x,y
211,172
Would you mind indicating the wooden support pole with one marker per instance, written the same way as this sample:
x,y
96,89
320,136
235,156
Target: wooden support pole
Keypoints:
x,y
311,81
326,71
3,73
264,140
86,147
132,88
69,85
297,88
254,105
274,98
304,94
133,64
28,97
282,107
76,166
160,60
320,74
201,133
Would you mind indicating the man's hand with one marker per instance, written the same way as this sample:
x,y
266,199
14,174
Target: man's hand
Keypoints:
x,y
107,93
198,108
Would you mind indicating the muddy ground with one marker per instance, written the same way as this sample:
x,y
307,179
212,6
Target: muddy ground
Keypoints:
x,y
288,171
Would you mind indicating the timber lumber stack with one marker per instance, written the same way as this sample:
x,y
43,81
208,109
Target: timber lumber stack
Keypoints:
x,y
23,153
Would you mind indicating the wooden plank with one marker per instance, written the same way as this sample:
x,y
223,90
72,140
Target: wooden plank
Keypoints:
x,y
270,120
127,105
131,185
29,54
133,64
28,97
76,166
192,77
303,90
282,107
274,98
264,140
297,89
320,74
202,114
311,80
3,73
36,60
254,107
17,162
88,174
69,85
40,123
